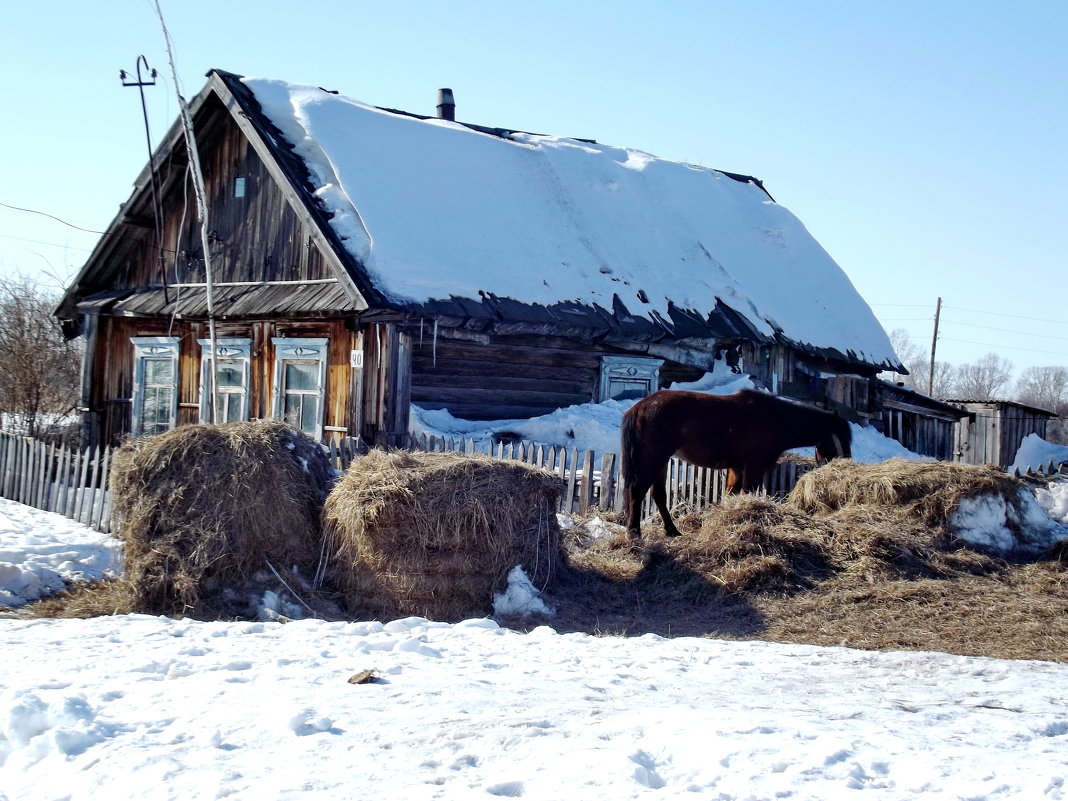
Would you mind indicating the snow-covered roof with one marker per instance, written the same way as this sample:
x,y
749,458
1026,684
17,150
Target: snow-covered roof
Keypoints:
x,y
436,210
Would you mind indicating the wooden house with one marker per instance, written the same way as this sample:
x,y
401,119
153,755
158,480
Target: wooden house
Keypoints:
x,y
991,431
355,260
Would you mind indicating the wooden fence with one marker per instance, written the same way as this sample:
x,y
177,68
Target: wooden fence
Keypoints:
x,y
56,478
74,483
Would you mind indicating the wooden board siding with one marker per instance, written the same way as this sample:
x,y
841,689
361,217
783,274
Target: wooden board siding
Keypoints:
x,y
479,377
111,382
994,430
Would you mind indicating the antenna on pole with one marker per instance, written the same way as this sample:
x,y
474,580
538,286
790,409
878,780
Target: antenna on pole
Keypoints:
x,y
157,212
934,343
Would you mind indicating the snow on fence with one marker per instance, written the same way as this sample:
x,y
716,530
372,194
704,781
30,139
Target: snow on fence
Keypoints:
x,y
74,482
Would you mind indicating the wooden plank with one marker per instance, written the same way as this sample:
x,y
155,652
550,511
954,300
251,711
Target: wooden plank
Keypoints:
x,y
26,467
79,494
99,520
87,513
5,442
40,472
572,478
587,479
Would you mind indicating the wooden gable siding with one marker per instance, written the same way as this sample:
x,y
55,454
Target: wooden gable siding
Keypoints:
x,y
255,238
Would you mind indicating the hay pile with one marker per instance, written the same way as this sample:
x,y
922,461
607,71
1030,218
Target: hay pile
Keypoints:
x,y
924,493
206,510
846,521
435,534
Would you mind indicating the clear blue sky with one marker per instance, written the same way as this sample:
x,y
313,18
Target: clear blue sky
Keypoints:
x,y
924,144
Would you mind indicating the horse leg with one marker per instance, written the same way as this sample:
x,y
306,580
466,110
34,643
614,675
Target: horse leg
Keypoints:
x,y
660,499
634,493
734,479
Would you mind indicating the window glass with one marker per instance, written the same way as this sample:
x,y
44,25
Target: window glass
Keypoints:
x,y
230,374
159,371
302,376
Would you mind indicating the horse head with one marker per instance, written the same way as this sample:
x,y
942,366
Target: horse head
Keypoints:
x,y
837,442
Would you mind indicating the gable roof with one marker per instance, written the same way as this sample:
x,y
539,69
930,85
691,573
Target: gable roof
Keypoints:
x,y
496,227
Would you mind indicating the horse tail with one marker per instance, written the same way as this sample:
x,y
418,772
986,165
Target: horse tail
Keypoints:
x,y
628,451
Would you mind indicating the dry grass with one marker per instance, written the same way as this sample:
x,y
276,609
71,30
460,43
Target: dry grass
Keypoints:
x,y
859,555
203,510
435,534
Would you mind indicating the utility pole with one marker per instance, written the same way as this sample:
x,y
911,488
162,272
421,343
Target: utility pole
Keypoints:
x,y
157,211
934,343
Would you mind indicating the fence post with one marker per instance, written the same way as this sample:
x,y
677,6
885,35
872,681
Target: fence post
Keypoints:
x,y
608,482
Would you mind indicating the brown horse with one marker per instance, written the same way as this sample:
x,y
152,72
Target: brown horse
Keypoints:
x,y
745,432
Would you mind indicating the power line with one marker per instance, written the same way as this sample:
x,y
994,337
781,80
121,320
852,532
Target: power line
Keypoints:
x,y
1016,316
51,216
1009,331
49,244
1002,346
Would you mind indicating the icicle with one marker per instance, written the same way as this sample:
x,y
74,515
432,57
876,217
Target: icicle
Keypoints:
x,y
435,342
420,332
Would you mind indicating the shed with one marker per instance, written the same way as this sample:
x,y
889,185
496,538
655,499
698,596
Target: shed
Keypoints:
x,y
363,259
992,431
922,424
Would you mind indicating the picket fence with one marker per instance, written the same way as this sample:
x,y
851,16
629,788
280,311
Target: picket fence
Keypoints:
x,y
74,482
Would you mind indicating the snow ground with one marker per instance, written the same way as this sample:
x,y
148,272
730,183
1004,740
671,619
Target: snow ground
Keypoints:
x,y
153,708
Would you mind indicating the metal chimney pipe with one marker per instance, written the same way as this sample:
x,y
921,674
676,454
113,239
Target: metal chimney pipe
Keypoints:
x,y
446,105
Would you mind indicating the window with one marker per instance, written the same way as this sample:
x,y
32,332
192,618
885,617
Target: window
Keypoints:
x,y
232,397
299,383
628,377
155,385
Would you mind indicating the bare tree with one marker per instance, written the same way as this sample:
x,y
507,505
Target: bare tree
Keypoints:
x,y
987,379
39,368
943,380
912,358
1047,388
1044,387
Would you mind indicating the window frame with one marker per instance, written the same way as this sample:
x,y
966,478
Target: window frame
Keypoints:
x,y
146,348
627,368
299,349
228,349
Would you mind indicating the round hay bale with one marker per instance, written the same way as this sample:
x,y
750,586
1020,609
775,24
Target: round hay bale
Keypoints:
x,y
435,534
202,509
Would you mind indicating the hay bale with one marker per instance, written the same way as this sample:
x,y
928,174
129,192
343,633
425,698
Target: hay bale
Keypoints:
x,y
435,534
202,509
